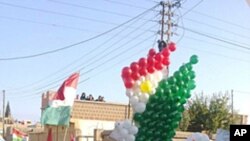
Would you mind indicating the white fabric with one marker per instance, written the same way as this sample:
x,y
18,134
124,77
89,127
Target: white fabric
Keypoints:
x,y
69,95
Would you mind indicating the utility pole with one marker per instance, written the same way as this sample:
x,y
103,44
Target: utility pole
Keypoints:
x,y
169,5
232,97
3,112
169,22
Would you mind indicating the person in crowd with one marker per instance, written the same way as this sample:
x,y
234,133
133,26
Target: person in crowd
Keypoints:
x,y
83,96
91,98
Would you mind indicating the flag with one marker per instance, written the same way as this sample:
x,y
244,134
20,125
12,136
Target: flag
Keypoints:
x,y
49,138
59,108
18,135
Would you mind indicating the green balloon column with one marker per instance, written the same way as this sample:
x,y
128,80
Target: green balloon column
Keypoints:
x,y
164,109
156,98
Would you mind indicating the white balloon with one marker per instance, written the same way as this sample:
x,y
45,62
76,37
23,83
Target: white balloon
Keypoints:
x,y
130,138
158,75
142,78
129,92
149,77
133,100
133,130
164,72
115,135
198,137
144,98
153,91
118,125
124,133
140,107
155,83
127,124
137,83
136,90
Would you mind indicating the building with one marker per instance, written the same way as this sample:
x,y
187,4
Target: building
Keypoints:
x,y
87,116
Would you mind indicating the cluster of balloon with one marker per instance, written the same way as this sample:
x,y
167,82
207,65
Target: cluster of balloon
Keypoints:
x,y
141,78
164,109
124,131
198,137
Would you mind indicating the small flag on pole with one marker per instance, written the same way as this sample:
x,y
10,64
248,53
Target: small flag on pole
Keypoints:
x,y
18,135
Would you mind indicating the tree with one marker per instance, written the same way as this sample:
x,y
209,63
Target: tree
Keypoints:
x,y
7,111
185,121
209,113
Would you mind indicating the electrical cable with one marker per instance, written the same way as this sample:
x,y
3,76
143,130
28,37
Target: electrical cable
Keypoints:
x,y
75,44
100,51
93,9
215,38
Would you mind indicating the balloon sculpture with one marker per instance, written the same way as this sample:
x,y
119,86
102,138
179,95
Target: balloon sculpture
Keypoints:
x,y
157,99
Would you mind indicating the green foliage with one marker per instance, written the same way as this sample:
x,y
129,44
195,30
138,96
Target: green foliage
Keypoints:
x,y
209,114
185,121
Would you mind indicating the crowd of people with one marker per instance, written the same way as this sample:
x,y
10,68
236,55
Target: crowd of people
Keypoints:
x,y
90,97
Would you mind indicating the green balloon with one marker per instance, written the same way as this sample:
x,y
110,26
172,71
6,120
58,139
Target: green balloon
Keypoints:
x,y
171,80
178,75
159,91
191,74
181,83
163,84
191,84
194,59
184,69
174,89
189,66
138,117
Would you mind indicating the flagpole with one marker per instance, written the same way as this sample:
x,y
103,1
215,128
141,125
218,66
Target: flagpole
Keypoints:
x,y
56,133
66,130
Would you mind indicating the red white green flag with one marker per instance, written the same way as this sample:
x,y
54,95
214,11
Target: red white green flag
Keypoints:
x,y
18,135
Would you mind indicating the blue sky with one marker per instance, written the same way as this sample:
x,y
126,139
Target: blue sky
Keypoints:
x,y
30,27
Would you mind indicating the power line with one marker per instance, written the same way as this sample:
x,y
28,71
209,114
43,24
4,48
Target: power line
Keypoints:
x,y
56,13
93,62
215,38
218,28
125,4
203,41
192,8
93,51
75,44
44,23
97,66
93,9
220,19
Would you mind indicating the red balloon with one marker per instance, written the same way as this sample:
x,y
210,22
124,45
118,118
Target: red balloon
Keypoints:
x,y
166,61
151,61
158,65
151,69
143,62
135,75
151,52
129,83
172,46
165,52
126,72
159,57
143,71
134,66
